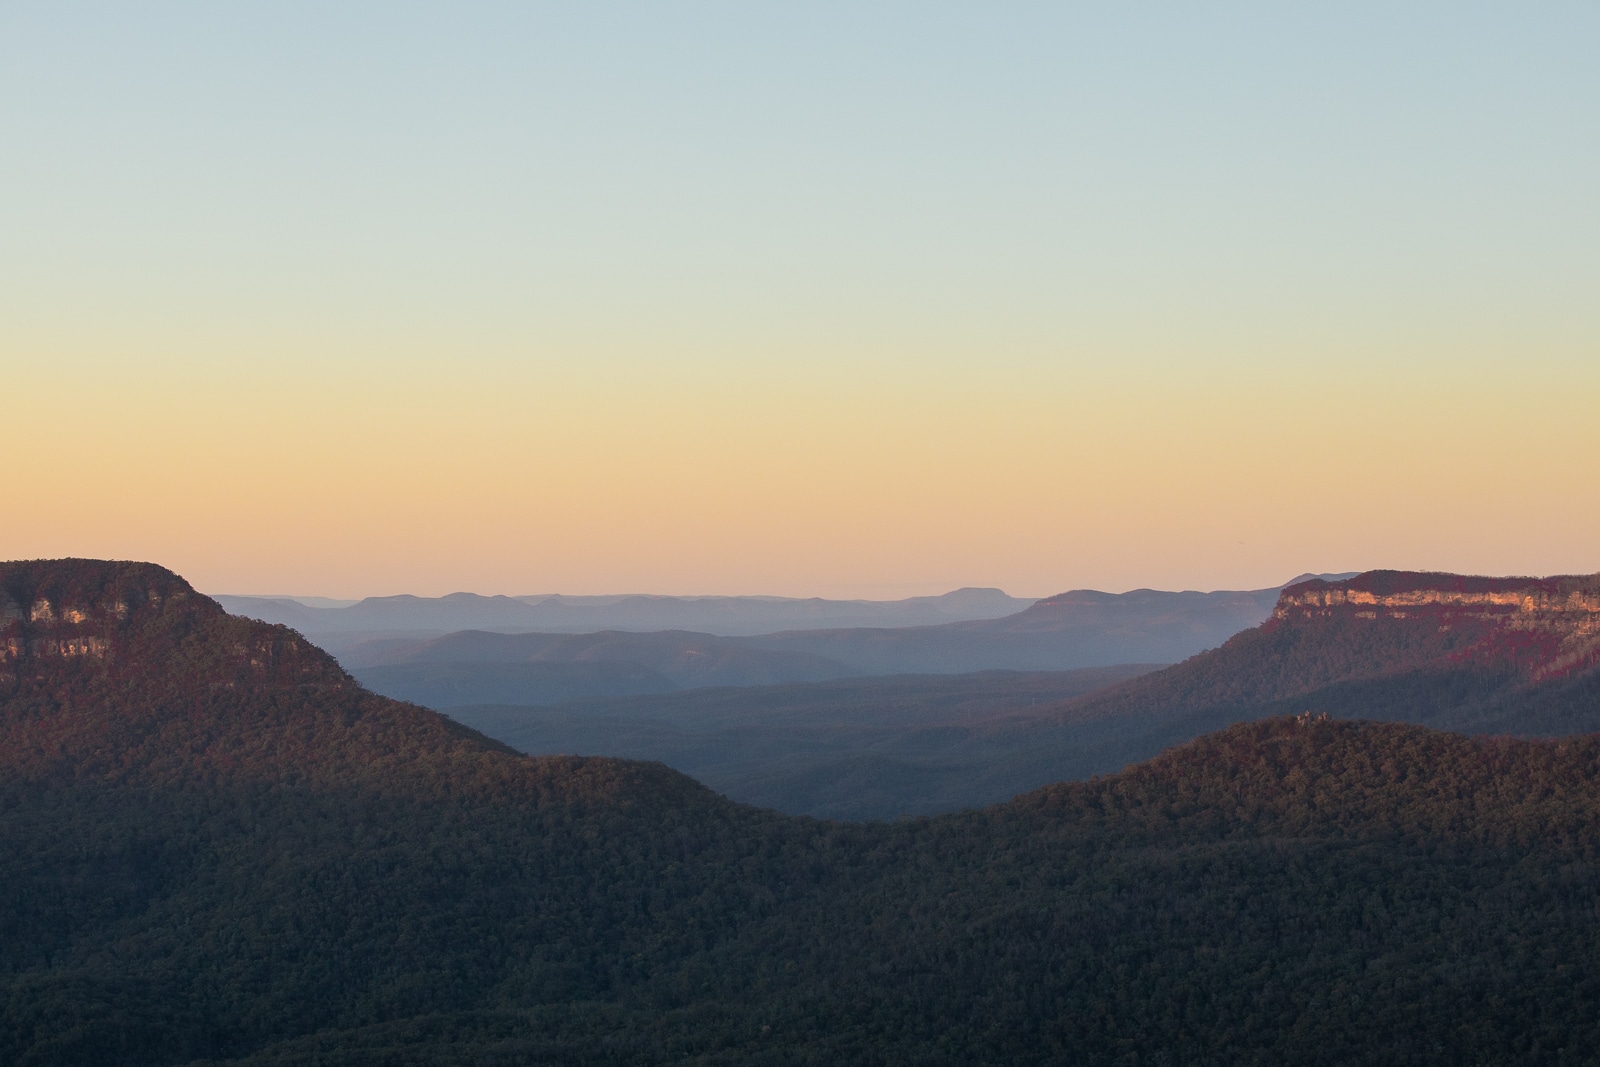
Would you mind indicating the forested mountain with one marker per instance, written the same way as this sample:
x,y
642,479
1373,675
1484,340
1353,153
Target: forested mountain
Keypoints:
x,y
1515,656
220,849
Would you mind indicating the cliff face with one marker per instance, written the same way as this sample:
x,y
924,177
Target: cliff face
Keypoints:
x,y
122,674
1477,655
74,592
1547,627
67,608
119,618
1560,601
113,669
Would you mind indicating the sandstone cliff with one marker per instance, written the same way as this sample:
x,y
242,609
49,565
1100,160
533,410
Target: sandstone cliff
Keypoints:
x,y
1546,626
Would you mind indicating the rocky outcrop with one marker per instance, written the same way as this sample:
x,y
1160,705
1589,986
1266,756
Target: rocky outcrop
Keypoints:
x,y
1553,623
54,613
1397,593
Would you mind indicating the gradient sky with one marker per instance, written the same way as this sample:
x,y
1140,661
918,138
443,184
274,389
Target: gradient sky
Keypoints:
x,y
817,299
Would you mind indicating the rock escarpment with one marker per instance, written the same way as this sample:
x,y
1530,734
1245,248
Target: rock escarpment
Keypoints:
x,y
1477,655
111,616
1545,626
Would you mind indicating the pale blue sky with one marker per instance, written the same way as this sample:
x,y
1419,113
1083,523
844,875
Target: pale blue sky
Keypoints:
x,y
850,169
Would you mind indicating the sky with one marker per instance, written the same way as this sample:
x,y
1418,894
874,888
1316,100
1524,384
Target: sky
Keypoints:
x,y
865,300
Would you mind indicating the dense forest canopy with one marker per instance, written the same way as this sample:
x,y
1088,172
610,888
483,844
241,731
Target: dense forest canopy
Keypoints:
x,y
221,849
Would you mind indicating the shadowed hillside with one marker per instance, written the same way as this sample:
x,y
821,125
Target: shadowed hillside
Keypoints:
x,y
221,850
475,667
858,748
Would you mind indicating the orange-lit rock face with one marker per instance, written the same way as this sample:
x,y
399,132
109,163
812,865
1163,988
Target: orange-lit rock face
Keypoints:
x,y
71,615
97,647
54,630
1526,602
43,611
62,610
1554,624
41,639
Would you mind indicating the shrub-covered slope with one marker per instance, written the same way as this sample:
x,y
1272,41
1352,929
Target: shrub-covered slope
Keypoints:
x,y
221,850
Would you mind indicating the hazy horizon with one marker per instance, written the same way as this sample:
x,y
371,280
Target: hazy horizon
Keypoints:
x,y
346,600
870,592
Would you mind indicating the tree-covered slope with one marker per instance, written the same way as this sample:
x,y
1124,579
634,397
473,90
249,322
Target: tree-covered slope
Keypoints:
x,y
220,850
1516,656
1451,650
1477,655
857,748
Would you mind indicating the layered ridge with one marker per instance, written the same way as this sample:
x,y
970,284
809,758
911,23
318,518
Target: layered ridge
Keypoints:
x,y
1544,626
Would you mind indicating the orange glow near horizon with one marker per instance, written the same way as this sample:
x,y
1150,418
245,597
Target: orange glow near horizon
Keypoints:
x,y
844,480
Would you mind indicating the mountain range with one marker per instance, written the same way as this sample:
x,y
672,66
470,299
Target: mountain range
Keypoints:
x,y
1080,628
222,849
1083,628
1510,656
552,613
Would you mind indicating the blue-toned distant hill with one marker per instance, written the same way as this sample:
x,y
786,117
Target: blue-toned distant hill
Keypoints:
x,y
477,667
1083,628
719,615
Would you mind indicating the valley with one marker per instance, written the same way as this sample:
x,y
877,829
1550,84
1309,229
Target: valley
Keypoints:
x,y
857,748
223,850
1503,656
